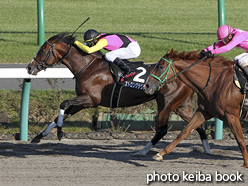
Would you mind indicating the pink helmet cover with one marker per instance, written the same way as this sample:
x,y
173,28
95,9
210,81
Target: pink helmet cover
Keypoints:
x,y
223,31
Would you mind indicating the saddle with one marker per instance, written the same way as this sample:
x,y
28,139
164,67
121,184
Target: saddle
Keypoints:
x,y
241,81
136,82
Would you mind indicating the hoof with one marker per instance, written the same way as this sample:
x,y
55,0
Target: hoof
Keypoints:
x,y
139,154
207,152
35,140
60,135
158,157
245,166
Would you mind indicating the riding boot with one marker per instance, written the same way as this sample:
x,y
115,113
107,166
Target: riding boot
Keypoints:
x,y
128,71
245,70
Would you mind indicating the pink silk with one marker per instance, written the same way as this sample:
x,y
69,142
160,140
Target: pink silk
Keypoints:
x,y
114,42
240,40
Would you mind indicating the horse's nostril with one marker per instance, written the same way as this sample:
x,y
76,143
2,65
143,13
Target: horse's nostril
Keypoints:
x,y
28,69
146,86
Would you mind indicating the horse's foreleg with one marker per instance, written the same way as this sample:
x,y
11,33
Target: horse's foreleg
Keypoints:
x,y
165,107
37,138
196,121
66,114
161,130
78,104
60,120
201,131
63,115
186,114
73,106
160,133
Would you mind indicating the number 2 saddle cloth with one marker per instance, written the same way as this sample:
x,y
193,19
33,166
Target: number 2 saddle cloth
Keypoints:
x,y
135,82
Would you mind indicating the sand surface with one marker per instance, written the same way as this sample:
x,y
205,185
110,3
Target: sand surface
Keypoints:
x,y
110,162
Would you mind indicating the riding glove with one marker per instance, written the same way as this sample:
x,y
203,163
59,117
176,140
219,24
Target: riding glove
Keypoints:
x,y
207,53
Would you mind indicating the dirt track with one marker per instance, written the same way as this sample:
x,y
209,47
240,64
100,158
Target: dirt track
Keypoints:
x,y
109,162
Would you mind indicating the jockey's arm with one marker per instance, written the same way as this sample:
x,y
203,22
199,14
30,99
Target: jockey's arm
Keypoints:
x,y
218,45
221,47
98,46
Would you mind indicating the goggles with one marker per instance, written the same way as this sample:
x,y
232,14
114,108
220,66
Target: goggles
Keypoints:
x,y
225,40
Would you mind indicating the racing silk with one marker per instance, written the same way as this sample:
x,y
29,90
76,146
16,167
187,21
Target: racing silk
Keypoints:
x,y
107,41
115,41
240,40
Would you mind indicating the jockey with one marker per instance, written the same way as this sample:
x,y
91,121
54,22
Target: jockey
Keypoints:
x,y
119,47
229,38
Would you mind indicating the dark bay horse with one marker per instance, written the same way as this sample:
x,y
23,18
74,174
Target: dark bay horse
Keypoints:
x,y
217,97
94,86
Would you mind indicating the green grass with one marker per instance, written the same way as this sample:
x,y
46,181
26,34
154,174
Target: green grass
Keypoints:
x,y
44,108
157,25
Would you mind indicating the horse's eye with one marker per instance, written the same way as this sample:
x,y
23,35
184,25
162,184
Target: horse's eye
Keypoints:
x,y
160,67
42,52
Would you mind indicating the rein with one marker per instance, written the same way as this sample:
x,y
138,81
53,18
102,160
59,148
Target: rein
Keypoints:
x,y
209,78
48,55
186,69
170,65
84,68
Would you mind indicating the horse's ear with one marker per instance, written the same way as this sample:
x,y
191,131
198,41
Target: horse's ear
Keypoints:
x,y
168,52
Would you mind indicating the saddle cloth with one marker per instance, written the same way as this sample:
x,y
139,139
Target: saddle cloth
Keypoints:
x,y
136,82
241,81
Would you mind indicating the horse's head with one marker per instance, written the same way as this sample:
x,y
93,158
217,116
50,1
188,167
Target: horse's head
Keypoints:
x,y
49,54
159,75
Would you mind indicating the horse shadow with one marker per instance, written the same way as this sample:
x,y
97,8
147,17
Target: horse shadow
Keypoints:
x,y
116,152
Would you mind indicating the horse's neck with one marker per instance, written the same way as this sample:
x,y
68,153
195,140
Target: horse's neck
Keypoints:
x,y
76,62
197,77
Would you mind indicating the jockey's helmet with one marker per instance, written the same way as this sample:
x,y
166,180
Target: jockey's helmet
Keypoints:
x,y
223,32
90,35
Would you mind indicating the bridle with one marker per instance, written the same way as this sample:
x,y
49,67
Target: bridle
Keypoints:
x,y
165,72
43,65
165,80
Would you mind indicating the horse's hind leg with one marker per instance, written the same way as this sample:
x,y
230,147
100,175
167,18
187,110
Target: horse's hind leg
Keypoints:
x,y
235,126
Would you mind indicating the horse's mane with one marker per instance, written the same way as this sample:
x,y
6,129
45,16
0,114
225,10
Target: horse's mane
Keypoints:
x,y
65,37
194,55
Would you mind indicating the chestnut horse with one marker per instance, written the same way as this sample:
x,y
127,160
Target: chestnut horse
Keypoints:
x,y
212,80
94,85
